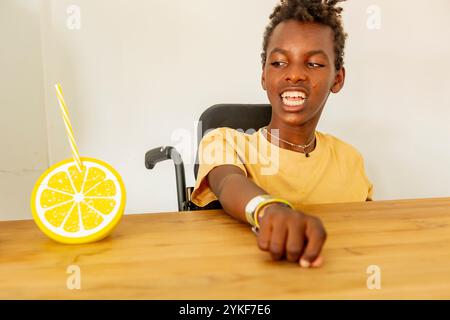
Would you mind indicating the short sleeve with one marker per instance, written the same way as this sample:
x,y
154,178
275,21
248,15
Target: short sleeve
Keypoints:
x,y
217,148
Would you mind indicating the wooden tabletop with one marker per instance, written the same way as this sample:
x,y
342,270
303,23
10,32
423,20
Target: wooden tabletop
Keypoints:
x,y
208,255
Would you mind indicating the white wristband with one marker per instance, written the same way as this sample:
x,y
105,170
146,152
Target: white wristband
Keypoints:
x,y
252,205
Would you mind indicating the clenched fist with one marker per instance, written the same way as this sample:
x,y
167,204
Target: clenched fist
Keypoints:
x,y
287,233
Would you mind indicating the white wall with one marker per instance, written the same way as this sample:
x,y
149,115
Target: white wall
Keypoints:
x,y
396,105
23,137
139,70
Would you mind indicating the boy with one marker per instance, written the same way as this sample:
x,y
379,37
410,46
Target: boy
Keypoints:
x,y
302,62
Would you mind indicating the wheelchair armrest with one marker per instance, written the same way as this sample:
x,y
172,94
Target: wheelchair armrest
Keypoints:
x,y
153,156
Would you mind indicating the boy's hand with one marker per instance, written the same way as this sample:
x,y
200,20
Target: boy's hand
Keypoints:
x,y
285,232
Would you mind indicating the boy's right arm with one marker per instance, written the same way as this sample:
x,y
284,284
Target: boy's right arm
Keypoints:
x,y
283,232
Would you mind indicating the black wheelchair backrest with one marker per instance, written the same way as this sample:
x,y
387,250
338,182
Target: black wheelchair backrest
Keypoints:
x,y
235,116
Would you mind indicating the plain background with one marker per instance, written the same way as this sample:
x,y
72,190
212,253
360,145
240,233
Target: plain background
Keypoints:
x,y
139,71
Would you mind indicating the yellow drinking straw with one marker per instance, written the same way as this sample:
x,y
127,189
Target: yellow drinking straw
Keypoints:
x,y
65,113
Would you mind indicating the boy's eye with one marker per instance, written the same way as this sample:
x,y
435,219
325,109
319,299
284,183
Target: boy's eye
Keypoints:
x,y
315,65
278,64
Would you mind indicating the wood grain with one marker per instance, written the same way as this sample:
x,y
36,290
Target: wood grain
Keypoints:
x,y
208,255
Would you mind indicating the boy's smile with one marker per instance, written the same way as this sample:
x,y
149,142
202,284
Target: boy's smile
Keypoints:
x,y
299,73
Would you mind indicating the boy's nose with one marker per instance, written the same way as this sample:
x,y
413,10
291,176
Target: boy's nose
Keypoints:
x,y
296,74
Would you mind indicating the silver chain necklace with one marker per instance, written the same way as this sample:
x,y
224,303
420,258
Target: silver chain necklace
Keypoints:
x,y
302,146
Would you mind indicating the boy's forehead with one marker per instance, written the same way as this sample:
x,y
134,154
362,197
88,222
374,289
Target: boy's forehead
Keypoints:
x,y
296,36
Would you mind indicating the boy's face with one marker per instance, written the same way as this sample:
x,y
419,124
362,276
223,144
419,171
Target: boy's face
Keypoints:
x,y
300,63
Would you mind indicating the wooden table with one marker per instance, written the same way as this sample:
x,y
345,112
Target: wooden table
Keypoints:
x,y
208,255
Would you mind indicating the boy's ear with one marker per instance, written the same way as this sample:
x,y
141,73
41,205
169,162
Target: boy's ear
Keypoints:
x,y
263,80
339,81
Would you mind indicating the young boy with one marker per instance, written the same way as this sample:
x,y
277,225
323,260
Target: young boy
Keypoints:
x,y
302,62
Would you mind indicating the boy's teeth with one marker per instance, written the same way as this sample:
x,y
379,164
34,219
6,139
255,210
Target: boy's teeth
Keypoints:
x,y
293,102
293,94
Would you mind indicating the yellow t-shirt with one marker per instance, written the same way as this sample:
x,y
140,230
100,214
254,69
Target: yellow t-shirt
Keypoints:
x,y
334,172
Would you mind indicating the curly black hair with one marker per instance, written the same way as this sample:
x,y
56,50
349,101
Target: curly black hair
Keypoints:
x,y
320,11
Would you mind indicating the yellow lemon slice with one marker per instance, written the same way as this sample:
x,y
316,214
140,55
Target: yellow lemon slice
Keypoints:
x,y
76,207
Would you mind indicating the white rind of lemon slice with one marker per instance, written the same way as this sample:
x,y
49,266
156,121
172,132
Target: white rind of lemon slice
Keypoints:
x,y
76,207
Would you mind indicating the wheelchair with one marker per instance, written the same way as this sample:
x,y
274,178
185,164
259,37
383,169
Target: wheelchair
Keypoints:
x,y
235,116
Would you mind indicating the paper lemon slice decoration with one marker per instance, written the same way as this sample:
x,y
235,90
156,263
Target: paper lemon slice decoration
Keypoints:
x,y
72,206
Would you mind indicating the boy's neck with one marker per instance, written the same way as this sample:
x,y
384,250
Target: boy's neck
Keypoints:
x,y
299,135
